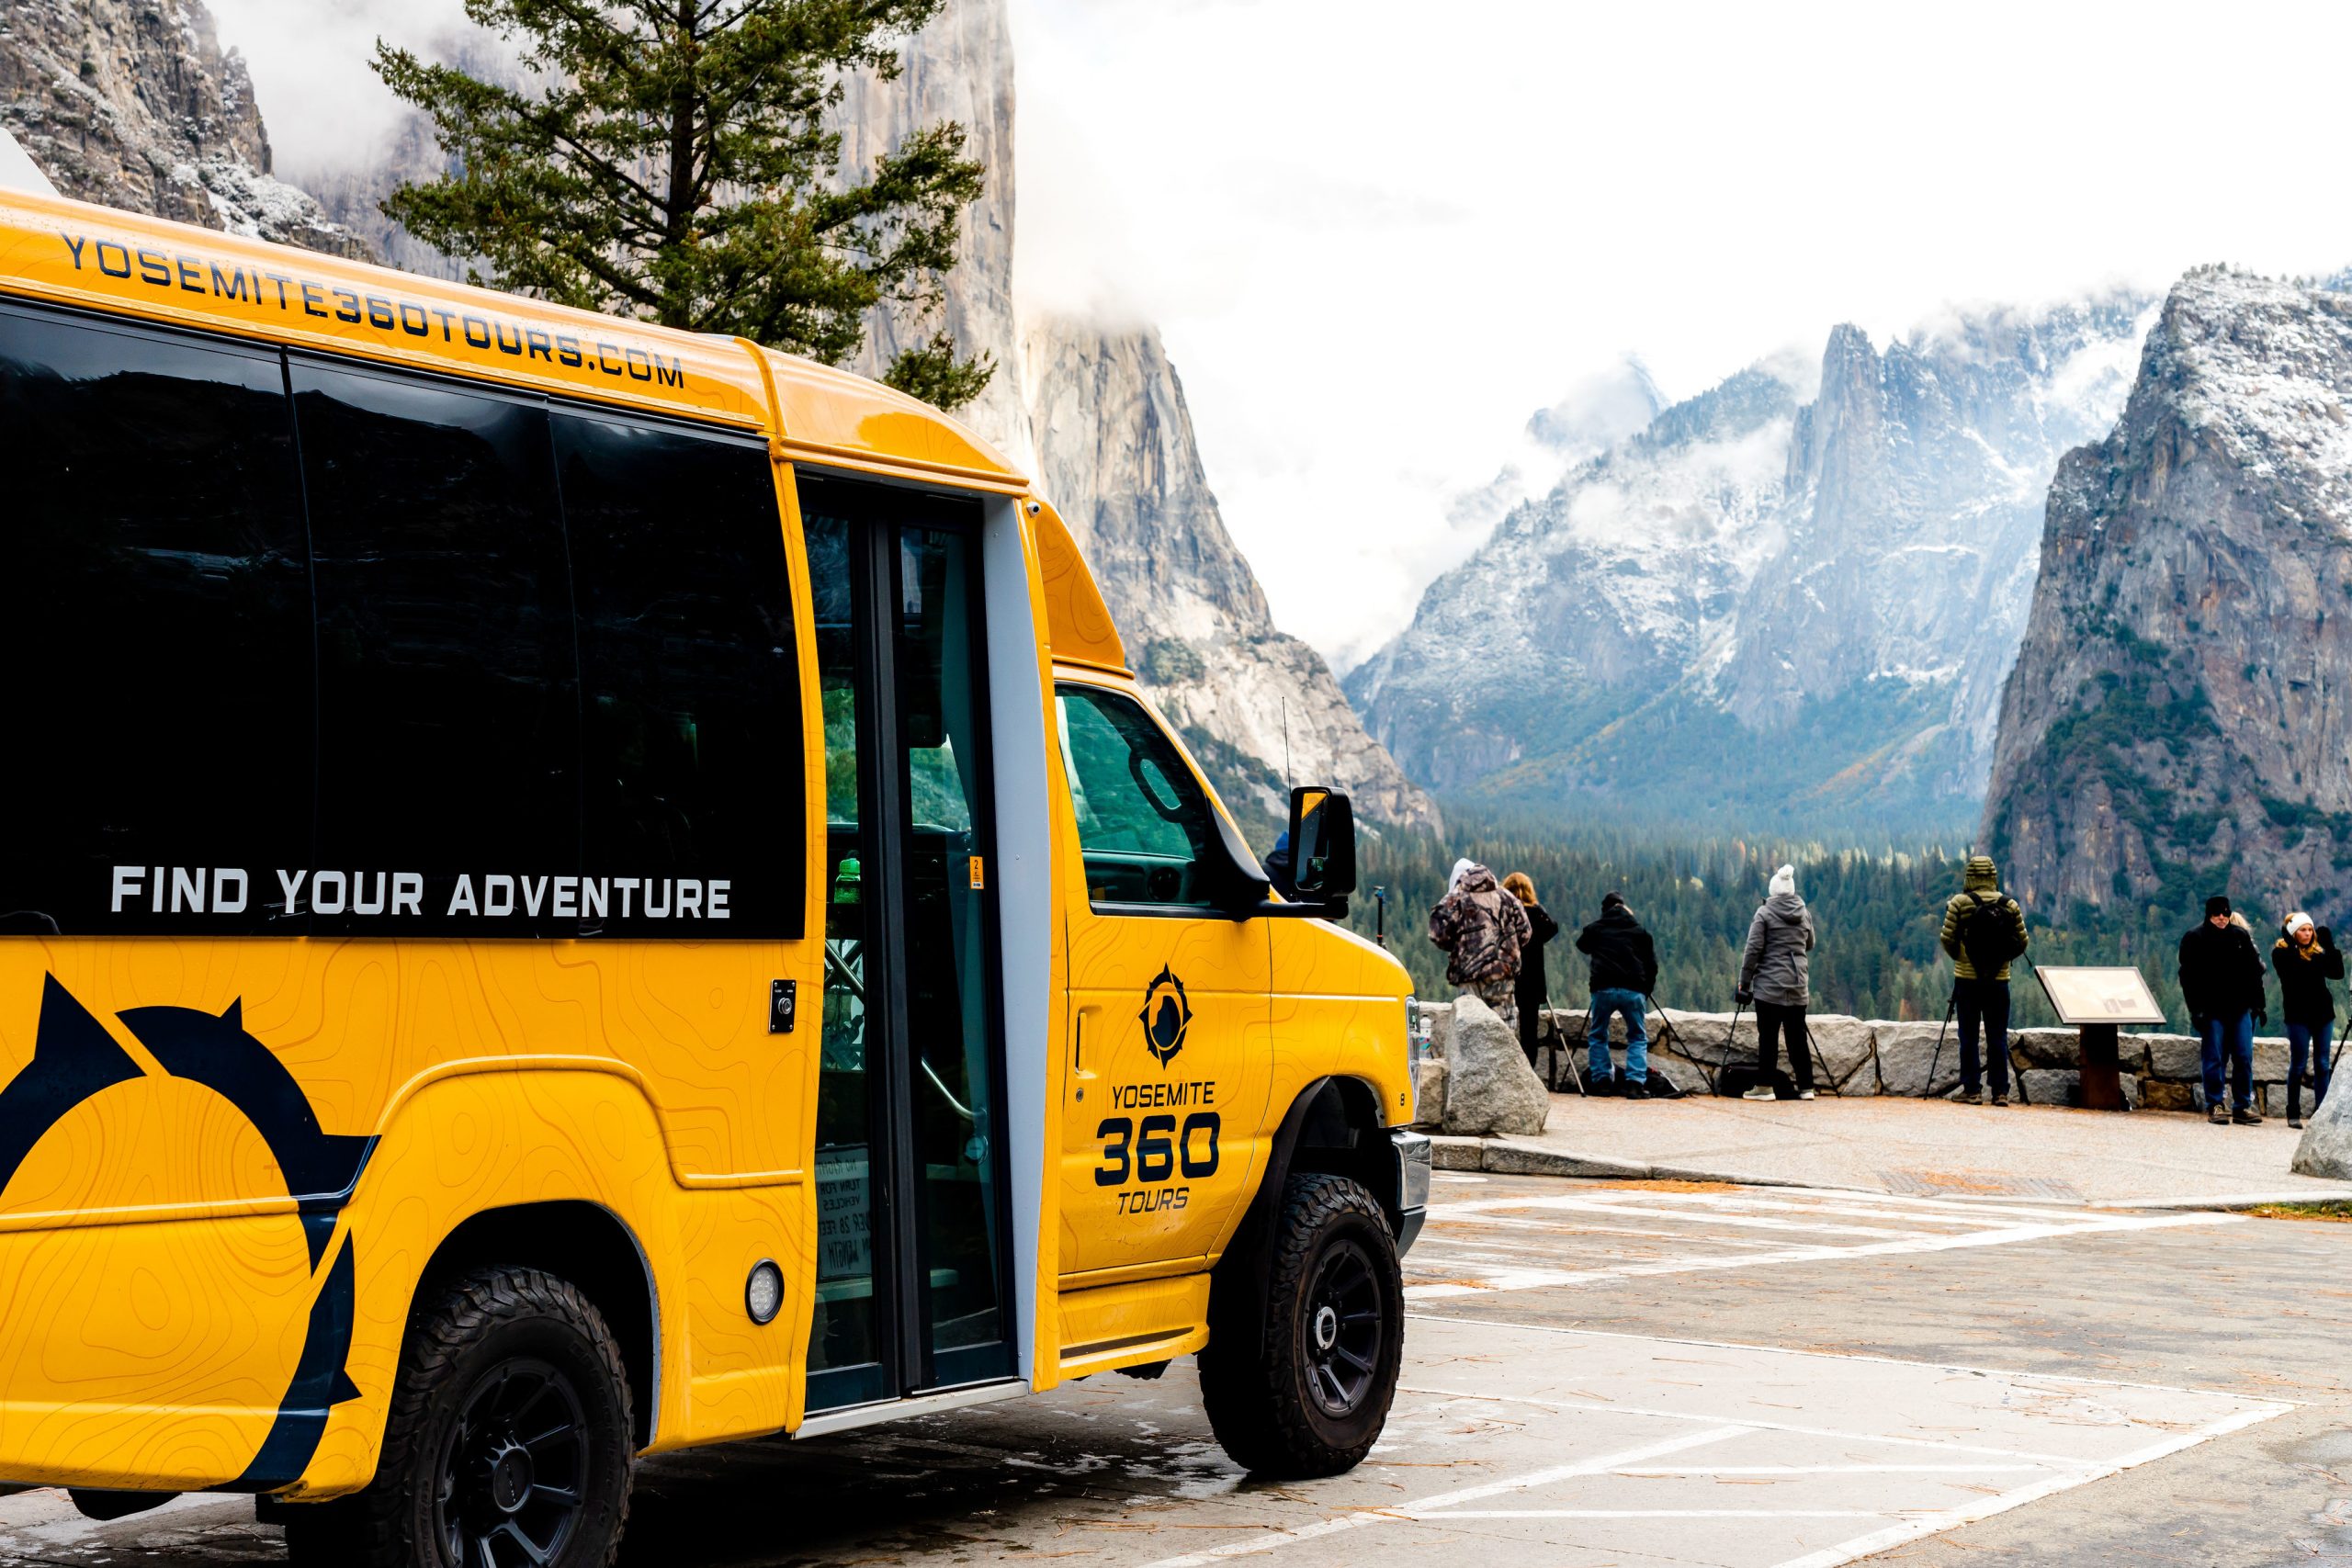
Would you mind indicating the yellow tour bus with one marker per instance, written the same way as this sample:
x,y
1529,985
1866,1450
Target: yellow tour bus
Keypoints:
x,y
571,890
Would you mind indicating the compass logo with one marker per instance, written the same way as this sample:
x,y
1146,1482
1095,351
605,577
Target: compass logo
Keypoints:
x,y
1167,1017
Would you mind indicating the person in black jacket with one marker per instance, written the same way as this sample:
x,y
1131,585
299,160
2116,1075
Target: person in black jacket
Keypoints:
x,y
2221,979
1531,991
1624,972
2308,966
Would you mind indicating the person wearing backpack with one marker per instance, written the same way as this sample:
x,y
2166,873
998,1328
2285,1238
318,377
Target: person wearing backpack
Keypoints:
x,y
2221,979
2308,966
1984,933
1482,930
1774,976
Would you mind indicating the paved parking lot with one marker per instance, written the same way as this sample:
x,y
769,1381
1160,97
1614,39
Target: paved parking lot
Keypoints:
x,y
1616,1374
1522,1241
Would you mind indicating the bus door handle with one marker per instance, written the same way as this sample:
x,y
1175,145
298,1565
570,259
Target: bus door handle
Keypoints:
x,y
1078,1071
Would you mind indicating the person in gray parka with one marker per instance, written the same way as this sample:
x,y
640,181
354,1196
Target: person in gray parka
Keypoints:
x,y
1772,975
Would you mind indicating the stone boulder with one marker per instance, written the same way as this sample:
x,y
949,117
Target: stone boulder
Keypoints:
x,y
1429,1091
2064,1086
1490,1087
1904,1052
1841,1054
2326,1146
2058,1048
2270,1059
2178,1057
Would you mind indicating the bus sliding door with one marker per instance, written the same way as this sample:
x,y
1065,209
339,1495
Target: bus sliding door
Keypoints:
x,y
914,1291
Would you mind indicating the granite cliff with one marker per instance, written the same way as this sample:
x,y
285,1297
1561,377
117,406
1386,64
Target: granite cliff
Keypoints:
x,y
2175,722
1260,709
1096,412
131,103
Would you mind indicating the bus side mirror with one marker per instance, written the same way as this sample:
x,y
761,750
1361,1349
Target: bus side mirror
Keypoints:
x,y
1322,844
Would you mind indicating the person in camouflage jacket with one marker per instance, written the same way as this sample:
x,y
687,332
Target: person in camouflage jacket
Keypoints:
x,y
1482,929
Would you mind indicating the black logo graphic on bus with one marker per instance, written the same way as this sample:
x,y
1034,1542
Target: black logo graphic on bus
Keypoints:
x,y
74,1058
1167,1017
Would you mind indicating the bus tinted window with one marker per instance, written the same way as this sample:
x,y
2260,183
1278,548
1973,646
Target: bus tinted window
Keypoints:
x,y
449,801
690,682
1144,825
154,624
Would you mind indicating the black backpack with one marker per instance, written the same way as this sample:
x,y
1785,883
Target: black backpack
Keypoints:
x,y
1987,935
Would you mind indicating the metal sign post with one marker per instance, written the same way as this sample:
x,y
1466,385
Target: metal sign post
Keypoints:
x,y
2096,1003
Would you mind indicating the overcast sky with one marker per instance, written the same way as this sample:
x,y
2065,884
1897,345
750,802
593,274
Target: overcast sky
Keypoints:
x,y
1379,236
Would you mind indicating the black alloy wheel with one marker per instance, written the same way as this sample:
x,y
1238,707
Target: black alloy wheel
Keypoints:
x,y
511,1476
1297,1382
508,1442
1344,1329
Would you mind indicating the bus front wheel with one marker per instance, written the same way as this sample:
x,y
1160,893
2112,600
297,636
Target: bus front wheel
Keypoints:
x,y
1310,1398
508,1441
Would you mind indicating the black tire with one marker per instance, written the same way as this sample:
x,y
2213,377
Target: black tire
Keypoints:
x,y
462,1465
1310,1398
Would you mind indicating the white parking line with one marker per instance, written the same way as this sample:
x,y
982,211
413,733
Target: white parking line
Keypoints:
x,y
1458,1257
1952,1518
1876,1452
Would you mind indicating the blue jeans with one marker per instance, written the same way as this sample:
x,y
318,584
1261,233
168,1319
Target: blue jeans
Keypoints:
x,y
2307,1043
1628,1006
2233,1034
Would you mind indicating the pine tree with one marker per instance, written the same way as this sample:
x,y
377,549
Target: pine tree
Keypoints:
x,y
673,161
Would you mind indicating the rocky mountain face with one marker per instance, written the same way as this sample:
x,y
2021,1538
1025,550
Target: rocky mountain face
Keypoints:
x,y
1115,450
2176,724
132,103
1098,414
1794,592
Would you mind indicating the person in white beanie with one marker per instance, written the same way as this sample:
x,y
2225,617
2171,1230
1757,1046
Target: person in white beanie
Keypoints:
x,y
2308,966
1773,976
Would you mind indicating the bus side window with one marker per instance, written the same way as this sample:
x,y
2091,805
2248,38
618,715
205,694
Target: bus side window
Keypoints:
x,y
448,716
690,678
1144,823
154,627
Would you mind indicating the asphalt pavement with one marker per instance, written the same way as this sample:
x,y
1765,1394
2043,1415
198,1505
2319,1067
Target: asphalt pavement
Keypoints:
x,y
1619,1373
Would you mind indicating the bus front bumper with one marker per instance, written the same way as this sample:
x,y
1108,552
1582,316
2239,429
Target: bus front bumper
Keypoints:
x,y
1412,1186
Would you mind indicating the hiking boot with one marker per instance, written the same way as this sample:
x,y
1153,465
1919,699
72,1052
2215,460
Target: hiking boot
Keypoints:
x,y
1760,1093
1968,1097
1805,1094
1636,1089
2249,1117
2000,1099
2219,1117
2295,1120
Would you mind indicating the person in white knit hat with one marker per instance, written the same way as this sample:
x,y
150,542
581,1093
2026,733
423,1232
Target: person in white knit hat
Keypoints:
x,y
1773,976
2308,966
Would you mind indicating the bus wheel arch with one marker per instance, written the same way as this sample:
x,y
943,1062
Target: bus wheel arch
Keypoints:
x,y
585,1245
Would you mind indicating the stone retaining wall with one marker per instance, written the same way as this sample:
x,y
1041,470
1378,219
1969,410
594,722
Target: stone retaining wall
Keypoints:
x,y
1865,1056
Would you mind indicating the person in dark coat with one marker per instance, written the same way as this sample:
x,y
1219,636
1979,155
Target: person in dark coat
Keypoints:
x,y
2221,979
1624,972
1531,991
2308,966
1775,974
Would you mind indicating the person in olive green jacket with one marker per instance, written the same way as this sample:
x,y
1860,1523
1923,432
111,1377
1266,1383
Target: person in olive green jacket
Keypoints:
x,y
1984,931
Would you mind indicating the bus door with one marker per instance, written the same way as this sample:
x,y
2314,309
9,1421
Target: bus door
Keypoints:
x,y
1169,1006
913,1278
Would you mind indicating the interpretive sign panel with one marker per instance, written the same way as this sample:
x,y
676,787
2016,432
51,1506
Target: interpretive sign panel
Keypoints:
x,y
2098,994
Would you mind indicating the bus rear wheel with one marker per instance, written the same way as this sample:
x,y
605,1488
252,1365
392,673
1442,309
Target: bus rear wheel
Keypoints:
x,y
1310,1398
508,1442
